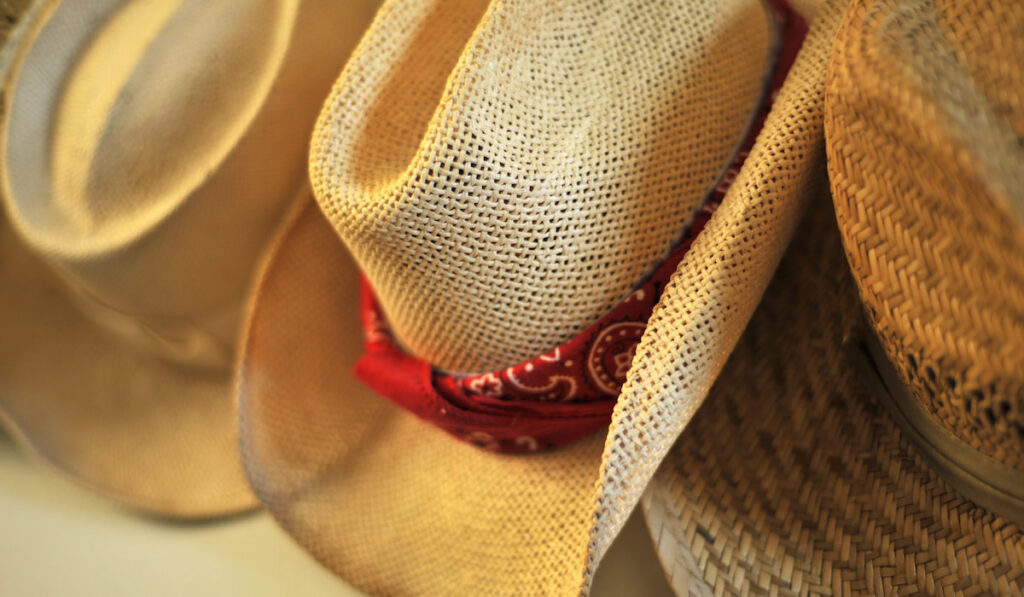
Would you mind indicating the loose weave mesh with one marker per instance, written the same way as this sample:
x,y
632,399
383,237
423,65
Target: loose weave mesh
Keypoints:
x,y
396,506
505,172
925,127
719,282
793,480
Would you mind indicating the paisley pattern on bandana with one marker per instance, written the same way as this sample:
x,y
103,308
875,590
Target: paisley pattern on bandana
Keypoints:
x,y
569,392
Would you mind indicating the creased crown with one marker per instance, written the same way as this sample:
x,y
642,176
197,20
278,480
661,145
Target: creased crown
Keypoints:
x,y
925,117
150,147
506,172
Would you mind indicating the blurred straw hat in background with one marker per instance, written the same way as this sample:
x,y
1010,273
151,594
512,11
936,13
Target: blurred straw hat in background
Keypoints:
x,y
837,456
149,150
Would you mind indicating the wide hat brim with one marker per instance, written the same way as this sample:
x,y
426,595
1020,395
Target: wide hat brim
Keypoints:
x,y
153,435
389,502
396,506
794,477
370,490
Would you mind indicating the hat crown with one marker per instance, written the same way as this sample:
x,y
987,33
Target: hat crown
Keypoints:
x,y
136,124
130,84
930,198
152,145
507,172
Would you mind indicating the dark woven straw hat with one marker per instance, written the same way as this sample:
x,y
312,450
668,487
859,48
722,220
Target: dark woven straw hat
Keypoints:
x,y
847,454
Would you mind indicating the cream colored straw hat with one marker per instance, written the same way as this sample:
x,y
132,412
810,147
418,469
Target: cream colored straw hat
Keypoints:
x,y
149,149
889,465
505,175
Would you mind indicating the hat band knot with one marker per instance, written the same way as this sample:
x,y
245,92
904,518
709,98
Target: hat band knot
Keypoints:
x,y
570,392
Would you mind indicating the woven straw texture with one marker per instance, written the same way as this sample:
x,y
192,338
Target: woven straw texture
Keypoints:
x,y
392,504
106,259
505,172
398,507
719,283
793,480
925,127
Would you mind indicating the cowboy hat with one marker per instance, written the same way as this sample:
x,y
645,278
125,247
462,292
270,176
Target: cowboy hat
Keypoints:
x,y
148,151
508,178
844,457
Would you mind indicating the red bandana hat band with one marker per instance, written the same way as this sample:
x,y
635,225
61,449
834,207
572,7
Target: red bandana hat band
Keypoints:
x,y
571,391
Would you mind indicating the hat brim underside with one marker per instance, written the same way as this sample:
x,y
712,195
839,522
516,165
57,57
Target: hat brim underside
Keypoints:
x,y
129,425
793,477
392,504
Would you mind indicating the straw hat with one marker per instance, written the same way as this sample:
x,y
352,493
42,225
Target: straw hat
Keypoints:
x,y
889,465
148,152
505,175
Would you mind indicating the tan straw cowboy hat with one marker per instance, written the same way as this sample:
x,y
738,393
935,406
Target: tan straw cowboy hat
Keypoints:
x,y
836,456
505,191
148,151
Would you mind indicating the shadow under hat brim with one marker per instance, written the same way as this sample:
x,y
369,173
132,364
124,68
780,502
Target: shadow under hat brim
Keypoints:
x,y
389,502
155,436
794,477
